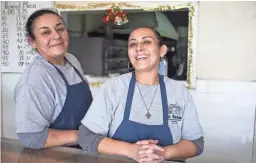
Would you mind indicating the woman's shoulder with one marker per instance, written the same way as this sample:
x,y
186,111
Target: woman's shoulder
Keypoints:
x,y
175,87
119,80
118,84
72,59
171,82
37,71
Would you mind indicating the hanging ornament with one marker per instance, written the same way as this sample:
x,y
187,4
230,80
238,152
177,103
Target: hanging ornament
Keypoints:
x,y
116,15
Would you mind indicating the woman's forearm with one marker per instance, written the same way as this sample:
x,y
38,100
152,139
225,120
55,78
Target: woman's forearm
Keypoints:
x,y
115,147
180,151
61,137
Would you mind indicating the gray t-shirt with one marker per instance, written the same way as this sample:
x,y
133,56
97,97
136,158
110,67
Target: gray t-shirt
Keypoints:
x,y
39,98
107,109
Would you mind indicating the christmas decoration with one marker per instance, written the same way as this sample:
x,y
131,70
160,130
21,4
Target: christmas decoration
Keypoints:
x,y
116,15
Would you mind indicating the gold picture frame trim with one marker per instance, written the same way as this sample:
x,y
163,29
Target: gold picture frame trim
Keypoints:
x,y
64,6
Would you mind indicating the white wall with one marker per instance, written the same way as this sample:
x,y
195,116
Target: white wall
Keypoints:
x,y
227,46
9,81
224,95
226,111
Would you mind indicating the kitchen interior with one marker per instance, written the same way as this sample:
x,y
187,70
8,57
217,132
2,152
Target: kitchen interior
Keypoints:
x,y
102,49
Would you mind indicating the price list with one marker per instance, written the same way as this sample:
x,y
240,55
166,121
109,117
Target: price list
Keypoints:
x,y
16,51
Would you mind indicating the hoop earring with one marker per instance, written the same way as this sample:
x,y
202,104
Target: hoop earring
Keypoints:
x,y
129,67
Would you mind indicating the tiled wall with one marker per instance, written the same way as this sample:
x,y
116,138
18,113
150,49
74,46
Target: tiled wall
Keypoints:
x,y
227,112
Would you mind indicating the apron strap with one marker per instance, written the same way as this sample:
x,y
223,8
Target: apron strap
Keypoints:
x,y
129,97
78,73
63,76
164,99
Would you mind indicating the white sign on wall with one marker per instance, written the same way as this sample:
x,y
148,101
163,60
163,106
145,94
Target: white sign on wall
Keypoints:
x,y
16,53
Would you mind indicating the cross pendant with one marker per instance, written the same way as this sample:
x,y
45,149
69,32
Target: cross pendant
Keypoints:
x,y
148,115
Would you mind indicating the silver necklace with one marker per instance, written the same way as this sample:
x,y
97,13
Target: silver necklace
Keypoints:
x,y
148,115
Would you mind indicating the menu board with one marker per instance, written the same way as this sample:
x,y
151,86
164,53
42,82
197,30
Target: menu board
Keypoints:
x,y
16,52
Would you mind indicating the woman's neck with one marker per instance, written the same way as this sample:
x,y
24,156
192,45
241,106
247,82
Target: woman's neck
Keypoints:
x,y
147,78
57,60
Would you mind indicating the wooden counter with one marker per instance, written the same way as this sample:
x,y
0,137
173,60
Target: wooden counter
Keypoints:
x,y
13,152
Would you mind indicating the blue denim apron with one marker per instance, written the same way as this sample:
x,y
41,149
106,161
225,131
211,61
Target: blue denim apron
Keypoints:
x,y
132,132
77,103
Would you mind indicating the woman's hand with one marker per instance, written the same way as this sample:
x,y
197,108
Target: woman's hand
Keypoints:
x,y
146,151
150,152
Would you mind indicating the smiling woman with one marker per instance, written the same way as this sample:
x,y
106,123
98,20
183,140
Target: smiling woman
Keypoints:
x,y
52,95
141,51
50,39
158,113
